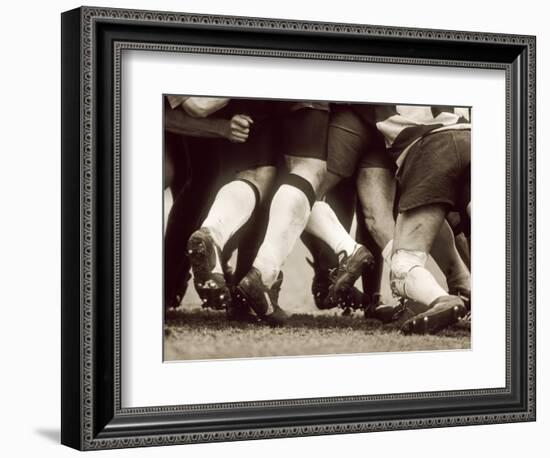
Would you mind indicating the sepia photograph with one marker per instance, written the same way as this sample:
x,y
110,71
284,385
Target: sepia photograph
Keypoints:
x,y
296,227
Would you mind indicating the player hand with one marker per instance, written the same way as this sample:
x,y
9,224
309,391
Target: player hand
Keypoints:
x,y
239,128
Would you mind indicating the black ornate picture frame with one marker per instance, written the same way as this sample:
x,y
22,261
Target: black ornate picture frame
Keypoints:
x,y
92,42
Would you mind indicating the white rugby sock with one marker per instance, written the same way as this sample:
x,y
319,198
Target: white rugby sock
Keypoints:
x,y
231,209
288,216
411,279
422,287
324,224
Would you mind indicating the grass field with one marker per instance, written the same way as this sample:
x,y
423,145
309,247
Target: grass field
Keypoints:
x,y
201,334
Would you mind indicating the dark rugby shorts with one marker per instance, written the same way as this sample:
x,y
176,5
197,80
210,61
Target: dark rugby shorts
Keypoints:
x,y
354,144
436,170
280,129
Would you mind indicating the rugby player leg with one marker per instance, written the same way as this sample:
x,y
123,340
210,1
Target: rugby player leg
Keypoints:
x,y
372,278
192,179
262,148
304,150
197,172
233,206
248,238
421,215
353,258
257,161
453,263
323,222
415,232
176,273
340,196
459,224
289,213
463,247
450,262
347,140
376,191
464,210
236,201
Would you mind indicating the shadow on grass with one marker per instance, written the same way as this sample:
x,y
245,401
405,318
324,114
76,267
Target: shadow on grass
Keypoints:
x,y
214,320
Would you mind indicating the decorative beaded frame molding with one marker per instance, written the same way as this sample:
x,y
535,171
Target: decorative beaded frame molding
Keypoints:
x,y
88,436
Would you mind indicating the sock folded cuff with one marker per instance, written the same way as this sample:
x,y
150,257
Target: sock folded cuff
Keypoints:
x,y
303,185
254,188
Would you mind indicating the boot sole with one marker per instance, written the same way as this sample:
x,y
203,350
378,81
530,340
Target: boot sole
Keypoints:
x,y
434,320
211,288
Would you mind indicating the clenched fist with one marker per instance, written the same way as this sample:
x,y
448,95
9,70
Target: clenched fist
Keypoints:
x,y
239,128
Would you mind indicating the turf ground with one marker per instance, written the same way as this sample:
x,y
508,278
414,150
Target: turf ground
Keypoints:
x,y
202,334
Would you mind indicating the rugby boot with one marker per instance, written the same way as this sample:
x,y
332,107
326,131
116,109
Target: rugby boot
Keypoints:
x,y
251,292
238,311
387,312
320,285
210,286
398,310
351,300
350,268
464,294
443,312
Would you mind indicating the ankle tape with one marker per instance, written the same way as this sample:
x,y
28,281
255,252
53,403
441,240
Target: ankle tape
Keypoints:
x,y
402,262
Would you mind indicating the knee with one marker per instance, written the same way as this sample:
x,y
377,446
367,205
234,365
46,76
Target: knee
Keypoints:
x,y
402,262
319,170
262,178
312,170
